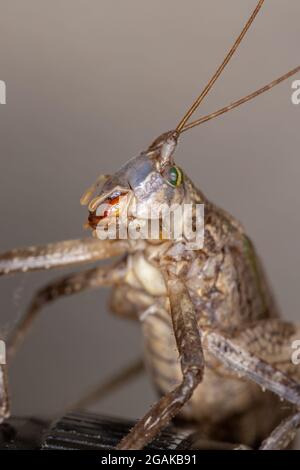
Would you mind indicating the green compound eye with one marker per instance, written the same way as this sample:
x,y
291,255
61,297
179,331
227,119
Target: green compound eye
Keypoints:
x,y
175,176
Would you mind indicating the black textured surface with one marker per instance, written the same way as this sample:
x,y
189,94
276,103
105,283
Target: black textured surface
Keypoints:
x,y
89,431
22,433
80,431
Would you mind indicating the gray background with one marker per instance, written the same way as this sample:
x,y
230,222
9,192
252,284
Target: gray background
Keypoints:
x,y
90,84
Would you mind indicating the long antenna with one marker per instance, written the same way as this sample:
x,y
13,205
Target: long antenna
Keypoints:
x,y
214,78
237,103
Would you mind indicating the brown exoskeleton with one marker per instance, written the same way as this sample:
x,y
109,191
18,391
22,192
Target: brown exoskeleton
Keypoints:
x,y
214,344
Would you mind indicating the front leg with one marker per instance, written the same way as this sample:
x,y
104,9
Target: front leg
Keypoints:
x,y
60,254
192,365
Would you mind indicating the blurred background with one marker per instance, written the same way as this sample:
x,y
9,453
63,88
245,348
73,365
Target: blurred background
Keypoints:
x,y
91,84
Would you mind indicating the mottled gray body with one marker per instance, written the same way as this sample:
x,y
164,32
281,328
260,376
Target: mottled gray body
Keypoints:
x,y
229,292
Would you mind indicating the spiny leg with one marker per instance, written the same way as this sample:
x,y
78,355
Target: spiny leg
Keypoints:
x,y
68,285
192,365
262,353
119,379
60,254
244,363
